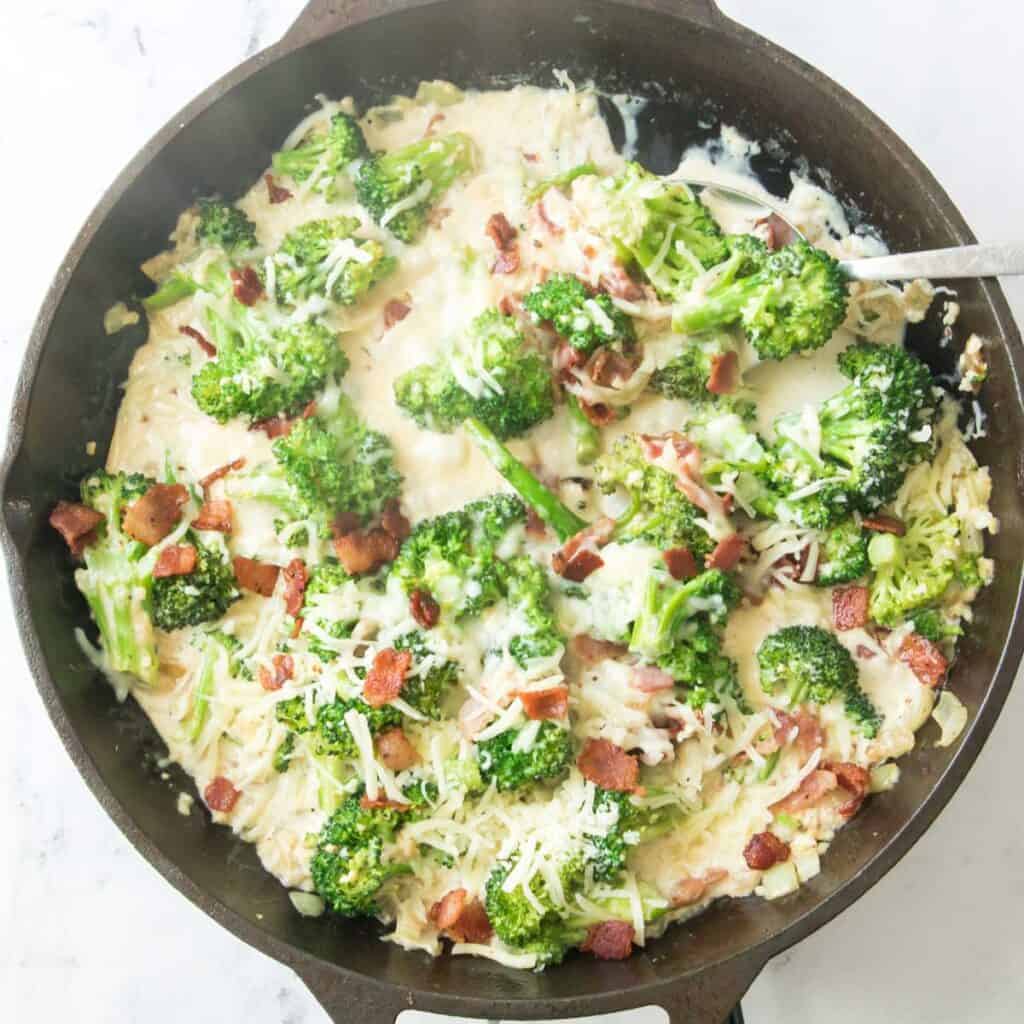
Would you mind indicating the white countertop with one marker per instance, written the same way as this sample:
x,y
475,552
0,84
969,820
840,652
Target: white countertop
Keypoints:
x,y
90,932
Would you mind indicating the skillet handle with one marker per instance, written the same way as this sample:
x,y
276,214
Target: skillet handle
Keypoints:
x,y
348,998
321,18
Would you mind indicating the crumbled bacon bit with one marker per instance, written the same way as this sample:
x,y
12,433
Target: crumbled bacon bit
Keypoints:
x,y
808,732
577,568
650,679
849,607
344,523
392,520
386,677
590,650
156,513
728,551
530,158
276,193
175,560
773,231
435,119
864,652
855,780
394,312
925,659
381,803
543,704
724,376
607,367
500,231
764,851
808,793
273,427
545,218
535,526
619,284
284,669
215,515
599,414
221,795
259,577
395,751
220,472
690,890
506,262
425,610
884,524
680,563
201,340
609,766
362,551
76,523
296,576
609,940
246,285
460,918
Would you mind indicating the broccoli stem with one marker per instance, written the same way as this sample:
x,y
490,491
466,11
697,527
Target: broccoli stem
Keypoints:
x,y
564,522
174,289
201,704
585,434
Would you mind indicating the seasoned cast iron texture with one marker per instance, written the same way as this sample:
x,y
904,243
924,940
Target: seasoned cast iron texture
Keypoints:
x,y
698,69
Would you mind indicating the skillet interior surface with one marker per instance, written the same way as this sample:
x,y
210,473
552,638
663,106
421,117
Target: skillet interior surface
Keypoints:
x,y
698,71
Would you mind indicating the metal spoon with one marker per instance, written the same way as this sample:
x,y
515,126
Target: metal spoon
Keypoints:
x,y
959,261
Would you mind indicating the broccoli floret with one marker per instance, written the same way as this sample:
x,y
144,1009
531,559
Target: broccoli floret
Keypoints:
x,y
786,301
454,557
511,386
399,188
284,753
658,512
662,227
547,758
350,865
529,593
933,625
843,555
117,577
322,257
203,595
585,320
225,225
330,734
426,691
634,824
323,154
808,663
914,570
586,436
686,375
327,578
327,464
261,372
216,646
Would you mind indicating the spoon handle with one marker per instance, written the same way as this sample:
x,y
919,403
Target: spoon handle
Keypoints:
x,y
962,261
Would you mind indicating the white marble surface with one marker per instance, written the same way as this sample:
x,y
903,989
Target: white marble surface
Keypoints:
x,y
90,932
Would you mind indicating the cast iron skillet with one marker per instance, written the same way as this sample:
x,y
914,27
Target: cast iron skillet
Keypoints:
x,y
698,68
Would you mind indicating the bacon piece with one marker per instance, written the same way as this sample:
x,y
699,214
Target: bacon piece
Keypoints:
x,y
849,607
773,231
221,795
246,285
803,729
500,231
576,559
650,679
680,563
609,766
506,262
345,523
220,472
728,551
609,940
925,659
425,610
435,119
392,520
597,413
530,158
175,560
765,850
381,803
215,515
460,918
395,312
543,704
855,780
687,469
566,359
884,524
276,193
864,653
273,427
364,550
200,339
535,526
76,523
691,889
590,650
553,226
156,513
296,576
579,567
607,367
386,677
284,669
724,376
395,751
809,792
259,577
620,285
